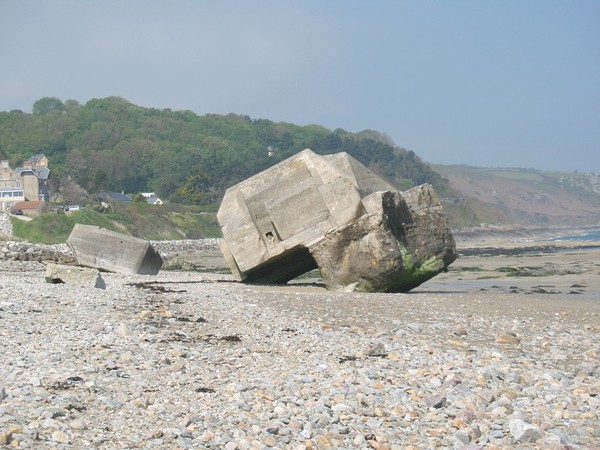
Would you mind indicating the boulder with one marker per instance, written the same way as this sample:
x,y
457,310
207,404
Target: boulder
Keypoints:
x,y
332,213
113,252
81,276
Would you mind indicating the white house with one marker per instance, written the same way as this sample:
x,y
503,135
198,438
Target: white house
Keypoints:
x,y
152,198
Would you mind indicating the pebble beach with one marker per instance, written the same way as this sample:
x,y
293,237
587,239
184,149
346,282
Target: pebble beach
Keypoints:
x,y
190,359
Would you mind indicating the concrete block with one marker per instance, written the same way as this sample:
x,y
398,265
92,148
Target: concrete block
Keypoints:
x,y
332,213
113,252
81,276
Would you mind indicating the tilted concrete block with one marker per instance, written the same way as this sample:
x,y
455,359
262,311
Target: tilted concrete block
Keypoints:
x,y
81,276
332,213
113,252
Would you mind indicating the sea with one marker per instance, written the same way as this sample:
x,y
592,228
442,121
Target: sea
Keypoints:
x,y
587,236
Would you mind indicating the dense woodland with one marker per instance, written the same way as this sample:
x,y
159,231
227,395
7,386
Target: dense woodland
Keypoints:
x,y
110,144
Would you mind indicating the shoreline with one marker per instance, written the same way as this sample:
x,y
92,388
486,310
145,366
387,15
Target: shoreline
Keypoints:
x,y
196,360
493,354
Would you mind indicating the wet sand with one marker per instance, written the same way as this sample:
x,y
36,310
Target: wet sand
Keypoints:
x,y
531,264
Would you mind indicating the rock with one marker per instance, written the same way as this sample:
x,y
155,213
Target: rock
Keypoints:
x,y
6,437
115,252
97,328
523,432
78,424
60,436
81,276
507,338
375,350
435,401
332,213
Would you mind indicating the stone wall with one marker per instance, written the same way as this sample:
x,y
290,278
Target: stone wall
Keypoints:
x,y
6,228
25,251
182,254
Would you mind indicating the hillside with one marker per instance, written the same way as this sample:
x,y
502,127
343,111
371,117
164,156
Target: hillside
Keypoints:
x,y
111,144
152,222
521,196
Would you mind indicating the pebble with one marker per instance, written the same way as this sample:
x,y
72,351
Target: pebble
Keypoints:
x,y
128,367
523,432
60,436
78,424
507,338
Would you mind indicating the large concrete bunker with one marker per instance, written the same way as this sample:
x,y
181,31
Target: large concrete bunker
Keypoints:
x,y
332,213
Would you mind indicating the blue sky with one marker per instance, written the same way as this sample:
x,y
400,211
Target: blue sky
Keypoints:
x,y
486,83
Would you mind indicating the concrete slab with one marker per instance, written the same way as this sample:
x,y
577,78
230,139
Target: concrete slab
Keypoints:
x,y
113,252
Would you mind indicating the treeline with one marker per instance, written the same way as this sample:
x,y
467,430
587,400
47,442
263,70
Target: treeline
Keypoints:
x,y
110,144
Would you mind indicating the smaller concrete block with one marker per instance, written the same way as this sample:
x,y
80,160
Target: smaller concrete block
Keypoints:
x,y
81,276
113,252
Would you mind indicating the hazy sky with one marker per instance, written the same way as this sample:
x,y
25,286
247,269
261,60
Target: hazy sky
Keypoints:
x,y
486,83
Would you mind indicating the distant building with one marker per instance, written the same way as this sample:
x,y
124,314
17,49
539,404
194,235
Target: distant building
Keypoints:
x,y
27,183
9,196
152,198
35,174
110,197
30,207
8,178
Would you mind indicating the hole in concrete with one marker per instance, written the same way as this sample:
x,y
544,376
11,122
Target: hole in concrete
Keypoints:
x,y
285,267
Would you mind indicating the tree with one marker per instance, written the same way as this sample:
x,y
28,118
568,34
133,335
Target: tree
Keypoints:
x,y
195,191
72,106
46,104
100,180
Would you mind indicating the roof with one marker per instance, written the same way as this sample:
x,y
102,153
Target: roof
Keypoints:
x,y
114,196
37,157
154,200
41,172
28,204
10,188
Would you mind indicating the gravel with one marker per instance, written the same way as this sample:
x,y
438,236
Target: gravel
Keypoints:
x,y
195,360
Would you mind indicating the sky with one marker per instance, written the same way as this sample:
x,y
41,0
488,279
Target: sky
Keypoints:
x,y
511,83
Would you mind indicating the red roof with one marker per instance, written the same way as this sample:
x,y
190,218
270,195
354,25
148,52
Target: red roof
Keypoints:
x,y
29,204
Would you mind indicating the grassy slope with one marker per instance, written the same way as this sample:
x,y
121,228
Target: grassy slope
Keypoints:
x,y
139,219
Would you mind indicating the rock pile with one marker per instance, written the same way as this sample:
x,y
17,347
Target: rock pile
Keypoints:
x,y
171,249
191,254
182,254
25,251
6,228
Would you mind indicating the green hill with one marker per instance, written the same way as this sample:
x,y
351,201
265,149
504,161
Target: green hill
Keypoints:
x,y
152,222
110,144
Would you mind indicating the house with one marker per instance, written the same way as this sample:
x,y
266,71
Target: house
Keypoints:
x,y
35,174
106,198
30,207
7,175
152,199
29,182
9,196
